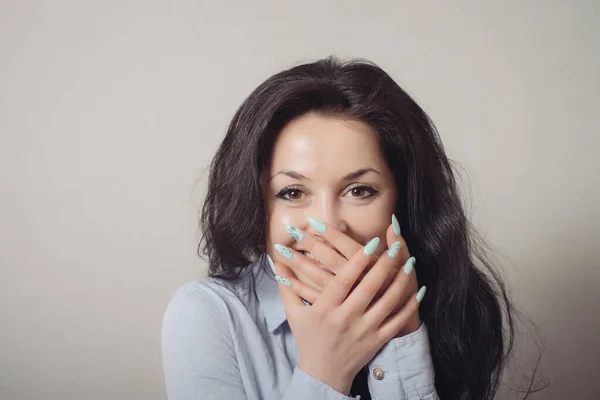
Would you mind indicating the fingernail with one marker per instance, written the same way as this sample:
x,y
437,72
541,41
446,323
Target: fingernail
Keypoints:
x,y
421,294
271,264
283,281
372,246
395,225
318,225
284,251
409,266
394,250
294,232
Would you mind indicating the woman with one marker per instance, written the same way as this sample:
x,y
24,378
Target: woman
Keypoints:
x,y
329,199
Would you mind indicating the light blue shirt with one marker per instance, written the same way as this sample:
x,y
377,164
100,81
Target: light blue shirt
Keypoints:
x,y
231,341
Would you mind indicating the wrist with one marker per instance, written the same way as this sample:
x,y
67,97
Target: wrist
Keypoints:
x,y
412,326
337,383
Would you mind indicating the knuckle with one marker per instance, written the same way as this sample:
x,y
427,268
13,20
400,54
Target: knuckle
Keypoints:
x,y
326,280
370,287
319,314
345,280
389,307
309,244
342,321
408,308
301,291
392,264
413,305
365,330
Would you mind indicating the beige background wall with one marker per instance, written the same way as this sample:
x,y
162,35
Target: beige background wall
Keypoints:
x,y
110,110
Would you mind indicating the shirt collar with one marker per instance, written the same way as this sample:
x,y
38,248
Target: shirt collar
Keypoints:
x,y
267,291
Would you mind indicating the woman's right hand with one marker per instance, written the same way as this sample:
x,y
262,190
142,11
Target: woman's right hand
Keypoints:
x,y
344,328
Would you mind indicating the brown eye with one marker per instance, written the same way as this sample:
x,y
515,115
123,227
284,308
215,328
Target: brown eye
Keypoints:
x,y
294,194
359,192
290,194
362,192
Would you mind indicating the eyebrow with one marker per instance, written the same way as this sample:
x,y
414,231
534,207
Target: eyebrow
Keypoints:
x,y
353,175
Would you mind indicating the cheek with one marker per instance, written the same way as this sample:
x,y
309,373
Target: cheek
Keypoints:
x,y
369,222
364,226
279,218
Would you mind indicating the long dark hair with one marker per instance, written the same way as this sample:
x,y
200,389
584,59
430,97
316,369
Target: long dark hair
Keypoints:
x,y
467,311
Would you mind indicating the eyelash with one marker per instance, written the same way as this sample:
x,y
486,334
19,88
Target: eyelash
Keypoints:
x,y
289,189
371,191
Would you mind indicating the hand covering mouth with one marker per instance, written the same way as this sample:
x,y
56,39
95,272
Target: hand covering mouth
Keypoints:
x,y
311,257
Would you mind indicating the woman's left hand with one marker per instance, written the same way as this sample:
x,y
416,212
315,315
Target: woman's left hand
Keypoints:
x,y
309,279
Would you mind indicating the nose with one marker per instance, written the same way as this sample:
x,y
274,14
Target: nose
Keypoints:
x,y
327,210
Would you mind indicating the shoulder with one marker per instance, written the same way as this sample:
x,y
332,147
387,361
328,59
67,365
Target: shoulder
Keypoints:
x,y
199,338
203,299
202,292
210,300
198,297
196,325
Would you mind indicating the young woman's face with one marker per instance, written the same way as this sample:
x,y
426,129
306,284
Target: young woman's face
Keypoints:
x,y
332,170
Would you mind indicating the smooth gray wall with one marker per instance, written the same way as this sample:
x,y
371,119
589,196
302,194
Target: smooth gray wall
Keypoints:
x,y
110,111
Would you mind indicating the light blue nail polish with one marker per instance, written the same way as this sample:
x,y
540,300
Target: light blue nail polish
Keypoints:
x,y
421,294
409,266
284,251
272,265
394,250
318,225
283,281
395,225
294,232
371,246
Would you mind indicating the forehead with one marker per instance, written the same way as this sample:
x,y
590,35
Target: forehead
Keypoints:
x,y
316,145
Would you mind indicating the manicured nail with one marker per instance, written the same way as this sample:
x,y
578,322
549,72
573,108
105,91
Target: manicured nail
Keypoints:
x,y
394,250
409,266
371,246
318,225
421,294
283,281
284,251
395,225
294,232
272,265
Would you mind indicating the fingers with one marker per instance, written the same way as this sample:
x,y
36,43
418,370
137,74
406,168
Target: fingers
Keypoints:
x,y
324,254
339,287
394,230
347,246
373,282
317,277
393,235
300,289
291,301
394,296
397,321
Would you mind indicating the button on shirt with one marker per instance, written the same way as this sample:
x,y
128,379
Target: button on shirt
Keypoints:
x,y
231,341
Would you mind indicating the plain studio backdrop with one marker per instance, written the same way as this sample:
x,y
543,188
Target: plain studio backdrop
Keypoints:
x,y
110,111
